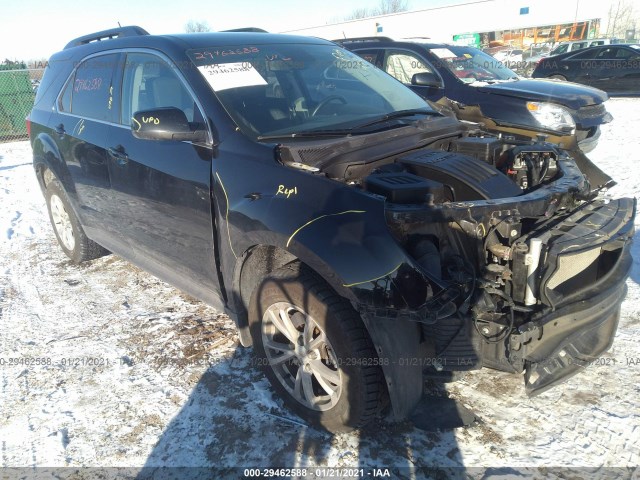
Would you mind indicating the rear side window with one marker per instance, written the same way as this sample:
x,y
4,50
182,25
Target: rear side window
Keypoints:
x,y
91,90
585,54
64,103
611,53
617,53
371,56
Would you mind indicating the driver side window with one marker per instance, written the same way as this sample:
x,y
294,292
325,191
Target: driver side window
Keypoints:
x,y
149,82
404,65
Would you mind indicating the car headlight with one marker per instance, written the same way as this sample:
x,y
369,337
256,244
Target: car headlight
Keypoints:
x,y
552,117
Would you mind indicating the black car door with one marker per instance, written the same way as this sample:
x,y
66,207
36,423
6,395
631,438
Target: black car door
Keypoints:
x,y
623,67
83,113
163,186
609,69
580,67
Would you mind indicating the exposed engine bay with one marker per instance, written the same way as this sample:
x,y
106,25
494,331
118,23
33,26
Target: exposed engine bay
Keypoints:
x,y
511,236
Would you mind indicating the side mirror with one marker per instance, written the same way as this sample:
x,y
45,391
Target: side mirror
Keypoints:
x,y
425,79
165,124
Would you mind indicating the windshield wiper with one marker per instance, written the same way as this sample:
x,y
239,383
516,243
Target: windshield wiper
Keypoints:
x,y
307,134
393,115
348,131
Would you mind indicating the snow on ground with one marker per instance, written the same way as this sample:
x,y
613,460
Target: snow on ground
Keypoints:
x,y
104,365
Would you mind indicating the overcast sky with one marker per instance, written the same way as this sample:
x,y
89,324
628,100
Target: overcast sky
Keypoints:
x,y
34,29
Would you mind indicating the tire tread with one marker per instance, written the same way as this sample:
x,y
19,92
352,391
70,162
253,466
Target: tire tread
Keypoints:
x,y
354,329
86,249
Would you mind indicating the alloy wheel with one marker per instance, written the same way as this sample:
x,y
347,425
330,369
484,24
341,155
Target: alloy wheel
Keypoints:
x,y
62,222
301,356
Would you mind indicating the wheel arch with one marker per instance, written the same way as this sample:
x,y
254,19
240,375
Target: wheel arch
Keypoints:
x,y
391,338
256,263
48,163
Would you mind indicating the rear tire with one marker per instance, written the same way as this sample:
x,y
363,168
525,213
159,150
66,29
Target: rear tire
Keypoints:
x,y
315,350
71,237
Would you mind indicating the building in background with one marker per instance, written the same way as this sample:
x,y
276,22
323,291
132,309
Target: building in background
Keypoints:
x,y
484,23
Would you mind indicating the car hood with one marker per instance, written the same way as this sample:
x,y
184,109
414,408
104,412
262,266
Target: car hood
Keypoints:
x,y
568,94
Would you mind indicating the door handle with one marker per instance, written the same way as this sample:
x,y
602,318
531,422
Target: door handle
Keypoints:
x,y
119,155
60,130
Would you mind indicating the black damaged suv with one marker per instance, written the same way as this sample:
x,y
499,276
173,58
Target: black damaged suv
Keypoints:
x,y
358,238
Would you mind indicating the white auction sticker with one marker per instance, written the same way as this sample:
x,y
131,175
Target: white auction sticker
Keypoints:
x,y
222,76
443,53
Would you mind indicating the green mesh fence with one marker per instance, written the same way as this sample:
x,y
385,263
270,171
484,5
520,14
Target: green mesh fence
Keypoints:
x,y
17,92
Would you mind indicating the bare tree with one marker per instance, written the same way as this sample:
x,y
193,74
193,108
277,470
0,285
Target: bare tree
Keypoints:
x,y
622,17
392,6
385,7
359,13
194,26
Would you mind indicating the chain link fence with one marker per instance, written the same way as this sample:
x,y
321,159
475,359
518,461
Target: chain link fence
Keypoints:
x,y
17,91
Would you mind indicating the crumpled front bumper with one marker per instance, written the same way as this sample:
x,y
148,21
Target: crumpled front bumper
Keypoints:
x,y
582,286
588,121
588,139
575,336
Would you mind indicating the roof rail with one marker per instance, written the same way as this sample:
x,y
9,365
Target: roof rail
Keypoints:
x,y
362,39
130,31
246,29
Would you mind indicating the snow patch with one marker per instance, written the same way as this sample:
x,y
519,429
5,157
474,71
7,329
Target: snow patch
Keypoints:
x,y
134,373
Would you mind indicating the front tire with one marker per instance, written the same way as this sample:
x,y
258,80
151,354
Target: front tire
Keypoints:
x,y
315,350
71,237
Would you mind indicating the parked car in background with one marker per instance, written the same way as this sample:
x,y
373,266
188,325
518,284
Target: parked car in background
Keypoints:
x,y
530,58
565,47
512,58
520,60
612,68
359,239
480,88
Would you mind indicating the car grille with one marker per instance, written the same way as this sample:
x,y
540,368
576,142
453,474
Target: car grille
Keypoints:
x,y
586,250
570,266
579,272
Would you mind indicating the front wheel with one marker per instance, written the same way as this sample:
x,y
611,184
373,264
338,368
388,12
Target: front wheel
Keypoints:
x,y
315,350
71,237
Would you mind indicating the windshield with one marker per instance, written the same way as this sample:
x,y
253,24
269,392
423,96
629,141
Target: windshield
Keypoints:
x,y
471,65
292,89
